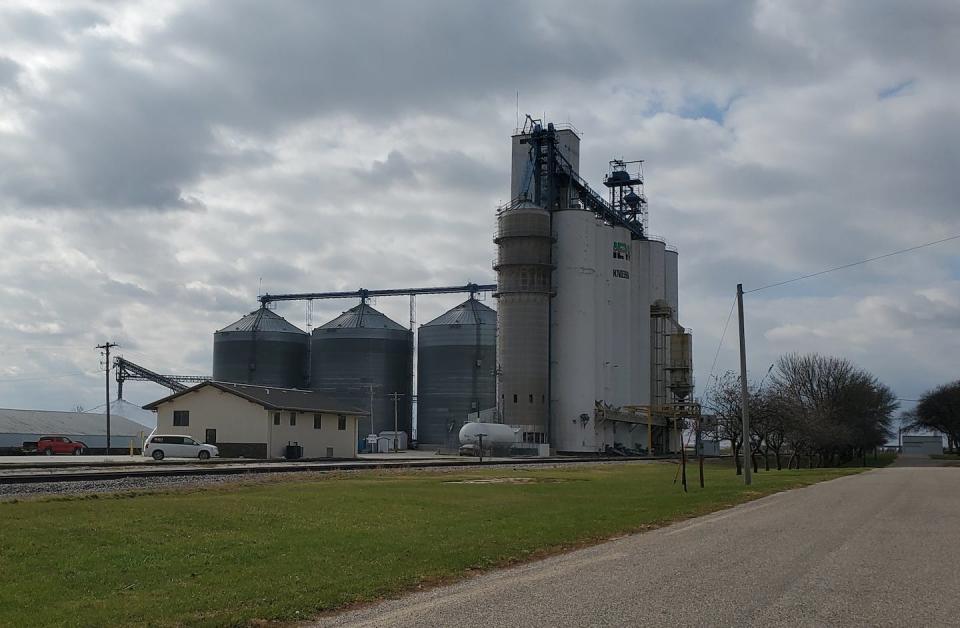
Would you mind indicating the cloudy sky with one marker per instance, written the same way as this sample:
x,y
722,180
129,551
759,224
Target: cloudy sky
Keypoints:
x,y
159,160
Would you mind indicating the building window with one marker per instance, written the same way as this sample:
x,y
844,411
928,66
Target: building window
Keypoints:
x,y
341,422
514,399
276,418
543,399
181,418
531,397
293,419
317,421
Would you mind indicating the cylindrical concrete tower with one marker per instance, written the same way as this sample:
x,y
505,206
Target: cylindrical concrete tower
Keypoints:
x,y
603,303
622,328
640,313
657,274
524,238
659,325
670,285
575,316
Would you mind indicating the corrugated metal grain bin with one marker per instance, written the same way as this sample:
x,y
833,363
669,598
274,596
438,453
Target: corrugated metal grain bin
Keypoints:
x,y
456,364
261,348
359,349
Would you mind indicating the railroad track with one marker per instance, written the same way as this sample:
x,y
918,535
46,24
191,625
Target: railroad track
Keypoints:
x,y
180,470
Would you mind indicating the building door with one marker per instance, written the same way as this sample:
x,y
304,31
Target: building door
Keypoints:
x,y
211,437
329,452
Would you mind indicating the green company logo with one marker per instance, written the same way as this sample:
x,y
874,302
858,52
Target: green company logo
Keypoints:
x,y
621,250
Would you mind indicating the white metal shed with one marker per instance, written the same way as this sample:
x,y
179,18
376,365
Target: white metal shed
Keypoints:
x,y
922,445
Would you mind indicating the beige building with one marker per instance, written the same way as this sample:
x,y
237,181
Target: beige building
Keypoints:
x,y
260,421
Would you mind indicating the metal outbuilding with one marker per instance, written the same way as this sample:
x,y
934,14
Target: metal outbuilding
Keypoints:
x,y
456,365
26,426
925,445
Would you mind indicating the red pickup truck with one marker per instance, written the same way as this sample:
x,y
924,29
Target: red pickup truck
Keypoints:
x,y
50,445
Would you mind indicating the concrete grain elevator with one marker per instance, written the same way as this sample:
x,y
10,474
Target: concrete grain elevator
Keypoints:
x,y
590,353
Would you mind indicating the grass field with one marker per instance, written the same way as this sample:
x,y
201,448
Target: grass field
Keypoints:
x,y
288,550
946,456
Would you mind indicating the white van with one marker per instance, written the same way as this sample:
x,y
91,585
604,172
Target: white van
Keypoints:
x,y
160,446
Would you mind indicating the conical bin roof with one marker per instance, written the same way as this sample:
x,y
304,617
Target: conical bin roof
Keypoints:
x,y
363,317
470,312
263,320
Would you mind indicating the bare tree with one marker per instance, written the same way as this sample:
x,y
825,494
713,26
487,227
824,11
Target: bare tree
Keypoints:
x,y
831,408
939,410
723,401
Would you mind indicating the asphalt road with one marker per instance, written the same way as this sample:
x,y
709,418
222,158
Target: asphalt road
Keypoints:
x,y
877,549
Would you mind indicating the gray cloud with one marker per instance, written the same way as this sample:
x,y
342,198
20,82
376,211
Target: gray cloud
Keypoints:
x,y
9,71
149,177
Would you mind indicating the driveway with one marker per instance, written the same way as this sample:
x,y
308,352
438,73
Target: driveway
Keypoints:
x,y
877,549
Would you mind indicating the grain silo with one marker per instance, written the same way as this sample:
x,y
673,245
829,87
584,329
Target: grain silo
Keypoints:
x,y
261,348
576,320
456,364
362,356
524,269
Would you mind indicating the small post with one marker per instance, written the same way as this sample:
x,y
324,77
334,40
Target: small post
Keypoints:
x,y
649,432
744,395
700,448
480,438
371,415
683,456
396,438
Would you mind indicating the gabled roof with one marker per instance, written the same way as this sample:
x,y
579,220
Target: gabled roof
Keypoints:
x,y
271,398
13,421
263,320
470,312
363,316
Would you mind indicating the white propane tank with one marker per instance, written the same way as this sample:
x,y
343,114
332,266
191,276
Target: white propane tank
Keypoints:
x,y
493,434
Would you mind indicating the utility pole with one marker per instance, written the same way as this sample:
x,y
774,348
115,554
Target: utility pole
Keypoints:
x,y
106,349
744,395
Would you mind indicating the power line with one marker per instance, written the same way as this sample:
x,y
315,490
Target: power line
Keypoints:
x,y
46,377
722,336
872,259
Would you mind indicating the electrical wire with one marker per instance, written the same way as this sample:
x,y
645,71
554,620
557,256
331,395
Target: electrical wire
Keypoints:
x,y
37,379
864,261
723,335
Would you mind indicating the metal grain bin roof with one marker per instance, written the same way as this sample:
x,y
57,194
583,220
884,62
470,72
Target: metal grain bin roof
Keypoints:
x,y
14,421
365,317
263,320
470,312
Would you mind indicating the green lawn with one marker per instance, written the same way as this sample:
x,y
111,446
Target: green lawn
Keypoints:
x,y
288,550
